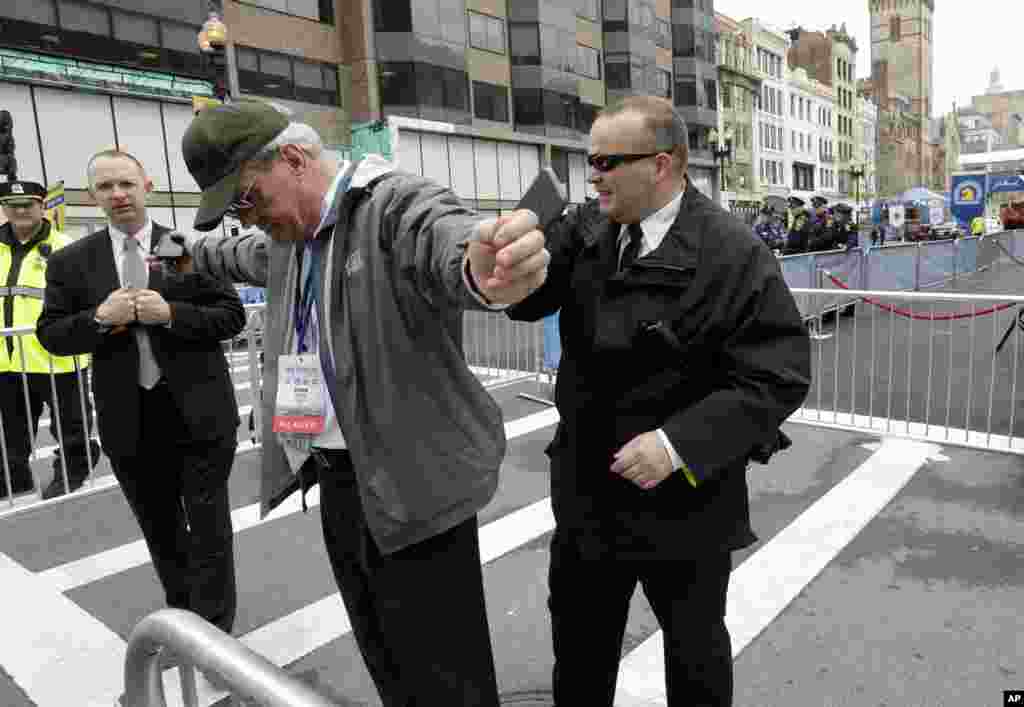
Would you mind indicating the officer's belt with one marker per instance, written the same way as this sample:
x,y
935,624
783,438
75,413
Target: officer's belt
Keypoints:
x,y
34,292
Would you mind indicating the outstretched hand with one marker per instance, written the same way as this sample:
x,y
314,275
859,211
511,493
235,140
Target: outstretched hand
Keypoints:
x,y
508,260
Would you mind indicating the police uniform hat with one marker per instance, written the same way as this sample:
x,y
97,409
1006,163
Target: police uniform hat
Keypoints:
x,y
795,201
21,191
818,200
843,208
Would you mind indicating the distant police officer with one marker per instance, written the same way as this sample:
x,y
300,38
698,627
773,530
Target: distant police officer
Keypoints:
x,y
26,241
820,235
797,226
844,231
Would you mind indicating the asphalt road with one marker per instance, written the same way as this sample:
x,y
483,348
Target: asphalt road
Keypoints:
x,y
854,595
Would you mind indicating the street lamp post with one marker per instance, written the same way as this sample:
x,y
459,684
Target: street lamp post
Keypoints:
x,y
213,43
857,172
721,148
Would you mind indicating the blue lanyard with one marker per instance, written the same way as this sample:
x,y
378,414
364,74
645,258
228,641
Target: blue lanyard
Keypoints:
x,y
309,294
309,278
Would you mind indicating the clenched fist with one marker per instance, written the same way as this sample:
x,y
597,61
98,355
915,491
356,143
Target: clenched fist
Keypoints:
x,y
508,259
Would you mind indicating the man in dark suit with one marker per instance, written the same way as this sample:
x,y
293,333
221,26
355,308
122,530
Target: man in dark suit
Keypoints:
x,y
165,403
682,353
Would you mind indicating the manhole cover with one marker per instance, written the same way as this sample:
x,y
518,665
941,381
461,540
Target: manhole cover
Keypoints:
x,y
528,698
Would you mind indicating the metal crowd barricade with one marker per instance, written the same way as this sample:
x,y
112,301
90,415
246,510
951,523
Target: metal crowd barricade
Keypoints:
x,y
910,266
244,672
10,429
502,351
936,366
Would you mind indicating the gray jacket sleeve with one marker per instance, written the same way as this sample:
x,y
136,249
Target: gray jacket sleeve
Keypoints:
x,y
428,229
241,259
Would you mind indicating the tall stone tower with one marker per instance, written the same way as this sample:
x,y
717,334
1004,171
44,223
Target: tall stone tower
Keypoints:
x,y
901,83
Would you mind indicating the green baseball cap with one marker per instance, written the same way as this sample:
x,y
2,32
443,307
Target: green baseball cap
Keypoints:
x,y
217,143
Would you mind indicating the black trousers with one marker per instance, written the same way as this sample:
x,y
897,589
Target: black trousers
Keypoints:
x,y
75,427
178,490
418,614
589,604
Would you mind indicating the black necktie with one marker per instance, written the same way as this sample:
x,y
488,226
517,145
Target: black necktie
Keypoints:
x,y
632,249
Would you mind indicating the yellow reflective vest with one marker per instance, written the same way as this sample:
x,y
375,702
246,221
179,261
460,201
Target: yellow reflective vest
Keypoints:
x,y
22,282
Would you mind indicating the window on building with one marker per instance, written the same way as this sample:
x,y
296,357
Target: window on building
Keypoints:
x,y
560,109
683,42
392,16
894,28
490,102
710,91
486,32
698,137
558,48
686,92
316,10
527,106
616,75
524,43
588,61
663,36
727,97
636,77
271,74
315,82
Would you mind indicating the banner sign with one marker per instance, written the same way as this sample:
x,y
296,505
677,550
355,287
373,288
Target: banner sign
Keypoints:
x,y
967,197
54,208
1005,183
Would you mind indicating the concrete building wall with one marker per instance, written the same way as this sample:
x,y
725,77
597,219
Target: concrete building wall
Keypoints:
x,y
902,79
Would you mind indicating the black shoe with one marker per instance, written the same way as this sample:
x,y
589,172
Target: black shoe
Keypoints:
x,y
56,488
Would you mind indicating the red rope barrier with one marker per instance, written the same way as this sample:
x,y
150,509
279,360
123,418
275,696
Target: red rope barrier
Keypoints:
x,y
910,314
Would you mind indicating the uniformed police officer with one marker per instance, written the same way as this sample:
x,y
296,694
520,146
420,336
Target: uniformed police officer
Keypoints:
x,y
797,226
820,237
26,241
844,231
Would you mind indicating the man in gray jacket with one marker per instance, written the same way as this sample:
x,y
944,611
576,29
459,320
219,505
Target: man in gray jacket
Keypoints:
x,y
369,271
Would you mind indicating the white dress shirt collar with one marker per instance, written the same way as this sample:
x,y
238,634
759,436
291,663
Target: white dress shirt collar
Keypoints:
x,y
117,236
144,236
655,226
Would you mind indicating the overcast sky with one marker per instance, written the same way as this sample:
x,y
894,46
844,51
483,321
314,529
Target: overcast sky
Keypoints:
x,y
971,38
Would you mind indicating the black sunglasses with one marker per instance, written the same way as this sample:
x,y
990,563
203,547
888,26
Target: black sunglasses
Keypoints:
x,y
606,163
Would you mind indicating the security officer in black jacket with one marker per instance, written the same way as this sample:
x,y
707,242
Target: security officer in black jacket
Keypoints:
x,y
682,353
